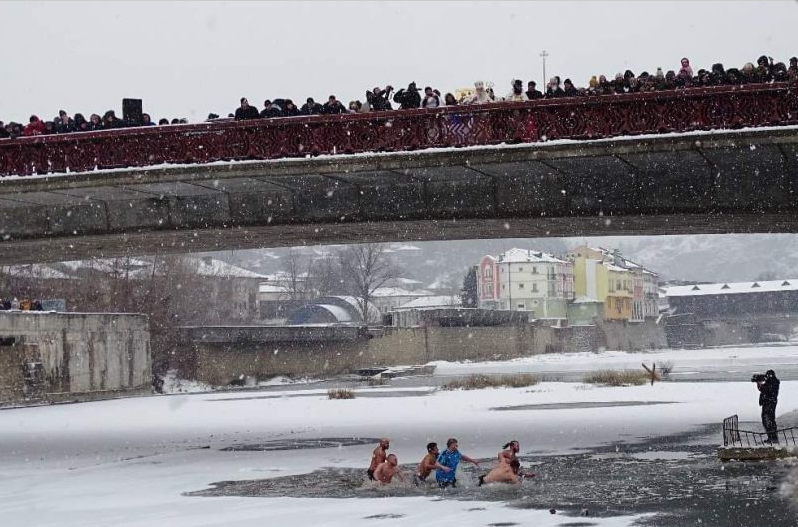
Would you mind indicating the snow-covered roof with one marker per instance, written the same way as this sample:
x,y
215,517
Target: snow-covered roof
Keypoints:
x,y
405,247
613,267
270,288
283,276
432,301
407,281
527,255
214,267
585,300
733,288
41,272
397,291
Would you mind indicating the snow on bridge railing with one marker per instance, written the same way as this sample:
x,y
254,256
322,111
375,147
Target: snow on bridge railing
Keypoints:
x,y
592,117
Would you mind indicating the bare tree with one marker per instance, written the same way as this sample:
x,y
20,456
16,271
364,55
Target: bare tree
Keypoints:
x,y
298,270
365,268
325,278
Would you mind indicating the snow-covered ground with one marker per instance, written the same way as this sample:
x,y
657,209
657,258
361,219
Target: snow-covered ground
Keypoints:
x,y
728,359
127,462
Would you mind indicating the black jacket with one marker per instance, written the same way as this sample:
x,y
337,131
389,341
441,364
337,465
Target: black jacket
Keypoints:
x,y
554,93
314,109
407,99
379,103
336,107
250,113
769,391
571,92
534,94
61,128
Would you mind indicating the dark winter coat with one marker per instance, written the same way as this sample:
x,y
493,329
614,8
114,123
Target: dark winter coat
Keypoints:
x,y
534,94
571,91
407,99
380,102
557,92
769,391
336,107
291,111
62,128
314,109
250,112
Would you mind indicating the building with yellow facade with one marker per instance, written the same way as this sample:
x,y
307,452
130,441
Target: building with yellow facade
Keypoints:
x,y
597,277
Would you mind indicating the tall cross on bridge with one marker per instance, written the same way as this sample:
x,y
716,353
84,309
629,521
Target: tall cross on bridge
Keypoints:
x,y
543,55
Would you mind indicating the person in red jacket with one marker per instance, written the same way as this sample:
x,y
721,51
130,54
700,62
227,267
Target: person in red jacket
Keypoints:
x,y
34,127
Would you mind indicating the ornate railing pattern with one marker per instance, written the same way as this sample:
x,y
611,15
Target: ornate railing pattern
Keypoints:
x,y
569,118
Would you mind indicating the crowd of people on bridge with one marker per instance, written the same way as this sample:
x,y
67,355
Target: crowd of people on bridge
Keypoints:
x,y
765,70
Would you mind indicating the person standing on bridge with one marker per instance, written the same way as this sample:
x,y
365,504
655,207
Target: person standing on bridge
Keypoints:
x,y
768,398
245,111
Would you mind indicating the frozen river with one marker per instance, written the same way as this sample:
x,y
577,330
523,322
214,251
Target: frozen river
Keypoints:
x,y
626,455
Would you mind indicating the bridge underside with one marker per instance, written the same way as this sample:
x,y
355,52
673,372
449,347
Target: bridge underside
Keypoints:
x,y
713,182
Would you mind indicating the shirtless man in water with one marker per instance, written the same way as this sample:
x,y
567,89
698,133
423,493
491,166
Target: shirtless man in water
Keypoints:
x,y
378,457
388,469
428,464
509,468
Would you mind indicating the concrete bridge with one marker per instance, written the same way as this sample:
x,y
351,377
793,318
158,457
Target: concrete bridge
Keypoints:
x,y
711,181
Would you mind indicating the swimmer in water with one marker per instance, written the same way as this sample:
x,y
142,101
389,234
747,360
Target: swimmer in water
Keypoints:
x,y
387,470
428,464
450,458
509,468
378,457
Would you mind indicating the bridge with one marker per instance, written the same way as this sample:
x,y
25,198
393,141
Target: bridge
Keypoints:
x,y
708,160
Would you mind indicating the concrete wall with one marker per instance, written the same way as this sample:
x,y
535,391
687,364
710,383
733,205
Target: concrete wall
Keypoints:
x,y
633,336
221,362
85,352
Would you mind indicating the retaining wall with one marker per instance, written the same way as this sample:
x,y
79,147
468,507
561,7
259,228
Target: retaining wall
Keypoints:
x,y
95,355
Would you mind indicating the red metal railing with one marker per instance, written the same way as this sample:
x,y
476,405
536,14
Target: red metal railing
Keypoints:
x,y
568,118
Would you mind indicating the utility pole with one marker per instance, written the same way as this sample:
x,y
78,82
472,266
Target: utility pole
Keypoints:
x,y
543,55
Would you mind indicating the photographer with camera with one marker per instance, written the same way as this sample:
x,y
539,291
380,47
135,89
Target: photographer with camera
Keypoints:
x,y
768,386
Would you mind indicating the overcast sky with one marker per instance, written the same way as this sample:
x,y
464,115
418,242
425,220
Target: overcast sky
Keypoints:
x,y
186,59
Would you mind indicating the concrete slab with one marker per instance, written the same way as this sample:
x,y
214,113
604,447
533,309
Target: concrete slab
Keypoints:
x,y
67,214
598,184
190,206
254,200
20,220
455,190
673,181
750,176
125,207
387,194
320,198
526,187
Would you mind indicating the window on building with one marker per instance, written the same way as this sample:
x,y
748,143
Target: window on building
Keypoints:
x,y
534,270
535,288
520,286
520,269
521,306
